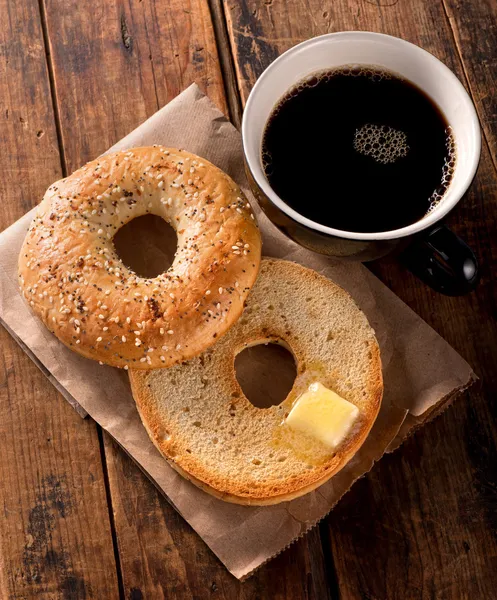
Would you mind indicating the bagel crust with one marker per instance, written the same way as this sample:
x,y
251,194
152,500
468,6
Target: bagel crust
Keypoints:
x,y
201,421
73,279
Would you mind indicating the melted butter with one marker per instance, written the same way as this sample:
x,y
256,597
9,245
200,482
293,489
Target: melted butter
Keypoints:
x,y
304,436
304,448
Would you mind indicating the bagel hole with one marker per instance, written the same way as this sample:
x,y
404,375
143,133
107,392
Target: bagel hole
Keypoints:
x,y
146,245
266,374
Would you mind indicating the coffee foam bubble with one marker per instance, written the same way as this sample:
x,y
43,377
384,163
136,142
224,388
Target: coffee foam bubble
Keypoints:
x,y
447,170
382,143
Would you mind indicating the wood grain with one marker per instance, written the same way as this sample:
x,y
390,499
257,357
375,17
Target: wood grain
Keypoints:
x,y
114,65
51,481
474,25
419,525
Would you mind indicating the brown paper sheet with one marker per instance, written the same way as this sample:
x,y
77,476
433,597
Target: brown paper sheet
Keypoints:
x,y
422,372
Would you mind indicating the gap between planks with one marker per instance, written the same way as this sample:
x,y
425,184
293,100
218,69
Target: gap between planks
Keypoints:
x,y
226,61
53,94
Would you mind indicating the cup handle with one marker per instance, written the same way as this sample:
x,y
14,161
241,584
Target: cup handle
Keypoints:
x,y
443,261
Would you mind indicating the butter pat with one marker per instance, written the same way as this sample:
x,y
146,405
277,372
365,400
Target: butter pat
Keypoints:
x,y
323,415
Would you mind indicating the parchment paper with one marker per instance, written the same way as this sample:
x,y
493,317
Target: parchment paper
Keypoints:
x,y
422,373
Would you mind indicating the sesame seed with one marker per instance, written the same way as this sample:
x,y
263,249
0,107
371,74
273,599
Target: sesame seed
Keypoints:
x,y
170,332
165,348
234,247
171,295
220,290
123,338
161,331
161,184
221,209
178,346
137,332
246,246
207,292
105,329
218,305
143,359
77,341
101,316
128,320
237,210
99,339
125,367
162,358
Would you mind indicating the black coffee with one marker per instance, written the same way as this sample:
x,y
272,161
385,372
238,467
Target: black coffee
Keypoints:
x,y
358,149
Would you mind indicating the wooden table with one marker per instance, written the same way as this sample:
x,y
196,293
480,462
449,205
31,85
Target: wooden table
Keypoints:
x,y
79,520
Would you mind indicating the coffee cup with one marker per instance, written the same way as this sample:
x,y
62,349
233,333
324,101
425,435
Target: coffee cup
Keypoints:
x,y
429,249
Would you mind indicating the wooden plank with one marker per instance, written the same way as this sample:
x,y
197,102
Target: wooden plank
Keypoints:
x,y
51,481
163,557
418,525
114,65
474,25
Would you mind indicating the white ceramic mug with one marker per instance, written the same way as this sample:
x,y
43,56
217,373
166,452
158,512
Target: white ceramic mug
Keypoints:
x,y
442,259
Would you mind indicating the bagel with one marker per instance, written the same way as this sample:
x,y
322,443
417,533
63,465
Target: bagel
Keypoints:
x,y
73,279
202,423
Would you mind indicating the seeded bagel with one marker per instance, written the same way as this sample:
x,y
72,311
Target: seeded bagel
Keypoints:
x,y
199,418
73,279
